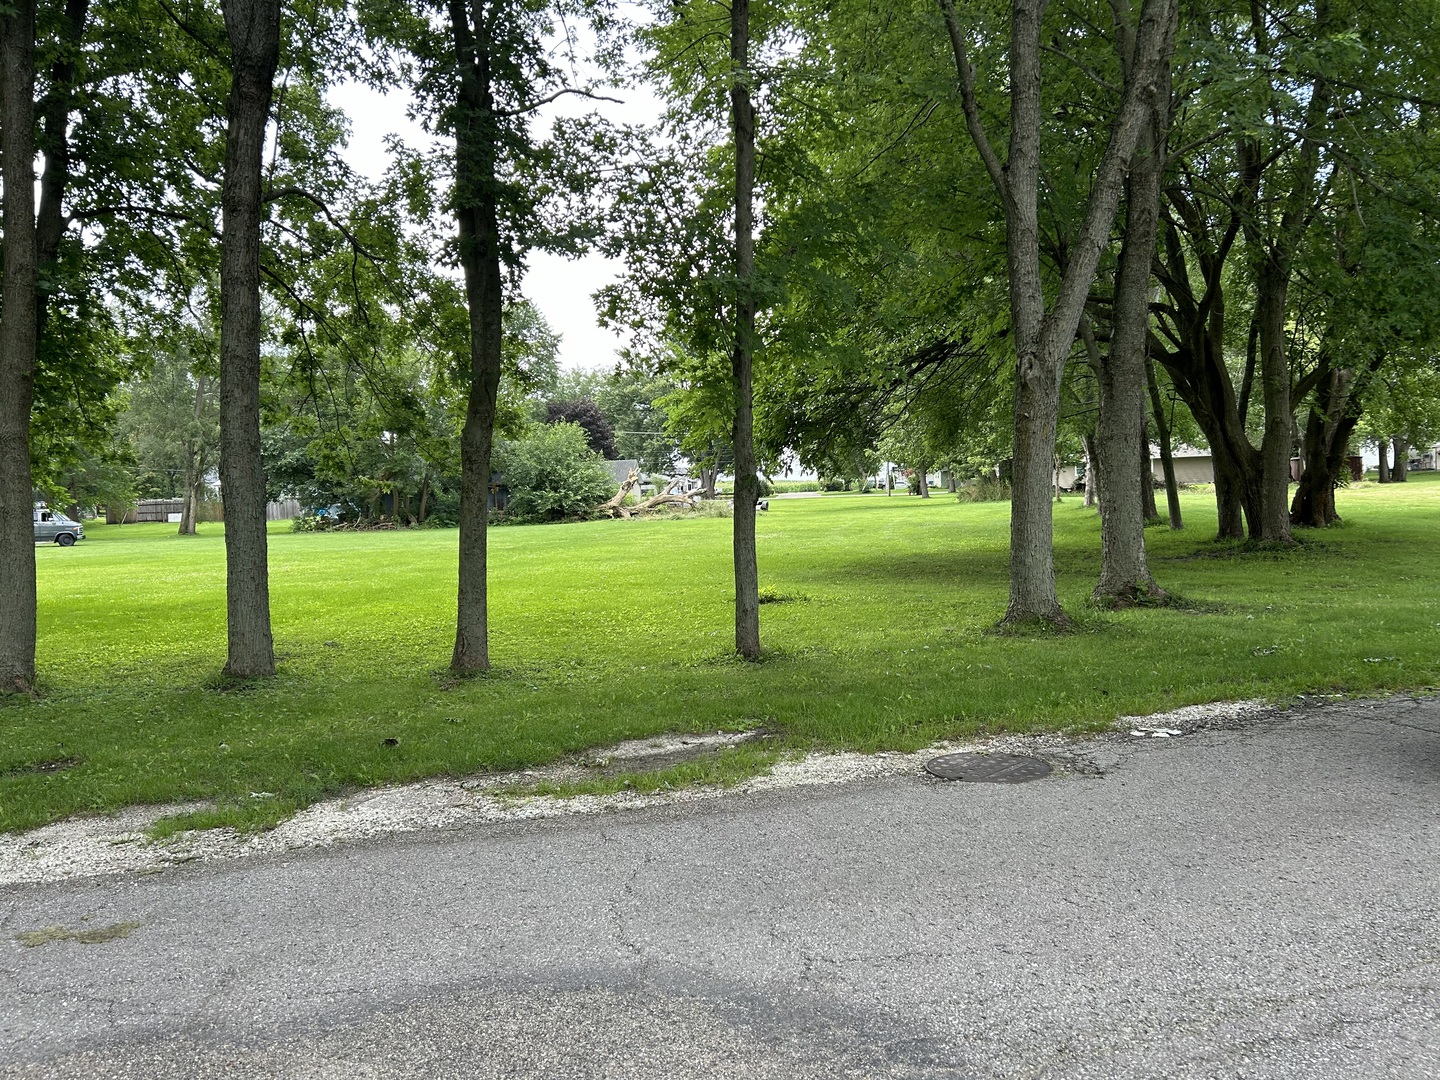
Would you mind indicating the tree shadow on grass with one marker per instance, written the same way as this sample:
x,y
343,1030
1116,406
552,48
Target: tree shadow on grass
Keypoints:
x,y
907,568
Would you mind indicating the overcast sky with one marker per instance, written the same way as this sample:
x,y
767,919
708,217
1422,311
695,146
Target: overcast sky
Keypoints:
x,y
560,288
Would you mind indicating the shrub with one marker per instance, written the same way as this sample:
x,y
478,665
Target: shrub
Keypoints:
x,y
794,485
984,489
310,523
552,474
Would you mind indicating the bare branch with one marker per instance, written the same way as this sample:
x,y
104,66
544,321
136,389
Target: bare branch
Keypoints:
x,y
300,193
976,126
551,97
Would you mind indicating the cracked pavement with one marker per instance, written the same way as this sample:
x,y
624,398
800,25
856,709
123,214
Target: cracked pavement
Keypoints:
x,y
1256,901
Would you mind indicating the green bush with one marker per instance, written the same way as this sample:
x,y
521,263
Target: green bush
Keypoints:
x,y
794,485
310,523
984,489
552,474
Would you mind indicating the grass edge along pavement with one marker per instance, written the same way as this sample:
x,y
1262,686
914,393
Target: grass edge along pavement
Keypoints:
x,y
608,631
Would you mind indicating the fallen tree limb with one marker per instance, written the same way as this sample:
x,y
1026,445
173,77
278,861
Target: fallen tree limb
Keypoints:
x,y
612,506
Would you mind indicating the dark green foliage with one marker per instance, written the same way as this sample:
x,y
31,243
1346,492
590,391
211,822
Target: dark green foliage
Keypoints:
x,y
584,412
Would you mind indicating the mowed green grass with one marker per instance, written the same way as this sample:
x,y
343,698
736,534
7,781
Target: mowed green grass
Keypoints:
x,y
604,631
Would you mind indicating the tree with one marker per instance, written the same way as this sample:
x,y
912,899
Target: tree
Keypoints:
x,y
18,333
1045,333
253,29
742,435
173,424
587,414
630,399
482,70
1128,495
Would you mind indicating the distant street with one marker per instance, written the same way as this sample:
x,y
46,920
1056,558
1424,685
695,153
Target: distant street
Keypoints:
x,y
1262,902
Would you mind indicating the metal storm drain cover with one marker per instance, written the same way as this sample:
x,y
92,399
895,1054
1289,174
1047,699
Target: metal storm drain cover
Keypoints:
x,y
989,768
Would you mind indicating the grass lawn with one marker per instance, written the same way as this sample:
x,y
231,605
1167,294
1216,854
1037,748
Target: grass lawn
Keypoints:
x,y
610,630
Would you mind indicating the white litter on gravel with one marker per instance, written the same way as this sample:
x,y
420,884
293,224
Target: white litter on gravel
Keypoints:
x,y
117,844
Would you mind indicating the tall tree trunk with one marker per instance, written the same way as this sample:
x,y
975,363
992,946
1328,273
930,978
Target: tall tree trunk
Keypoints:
x,y
747,485
477,215
194,465
188,495
1272,261
1043,338
1230,499
1167,459
1276,446
924,482
1147,478
1092,470
1129,496
1383,446
1314,504
18,335
253,27
1400,471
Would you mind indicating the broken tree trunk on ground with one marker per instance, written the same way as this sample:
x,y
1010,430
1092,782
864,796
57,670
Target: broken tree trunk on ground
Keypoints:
x,y
666,496
614,505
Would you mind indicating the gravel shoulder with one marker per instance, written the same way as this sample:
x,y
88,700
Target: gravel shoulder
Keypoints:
x,y
85,847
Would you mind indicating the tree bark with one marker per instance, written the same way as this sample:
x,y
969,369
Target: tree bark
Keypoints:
x,y
477,215
1330,420
1383,445
747,484
18,336
923,486
253,28
194,465
1167,460
1230,498
1129,495
1092,470
1276,445
1147,478
1400,471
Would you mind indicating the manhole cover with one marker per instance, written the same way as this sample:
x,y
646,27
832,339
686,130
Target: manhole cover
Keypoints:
x,y
989,768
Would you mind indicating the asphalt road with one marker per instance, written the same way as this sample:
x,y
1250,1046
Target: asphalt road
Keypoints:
x,y
1259,902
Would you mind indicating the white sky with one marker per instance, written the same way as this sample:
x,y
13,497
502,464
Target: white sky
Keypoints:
x,y
561,288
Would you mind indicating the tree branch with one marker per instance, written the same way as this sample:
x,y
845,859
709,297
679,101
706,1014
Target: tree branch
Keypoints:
x,y
976,126
552,97
276,194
